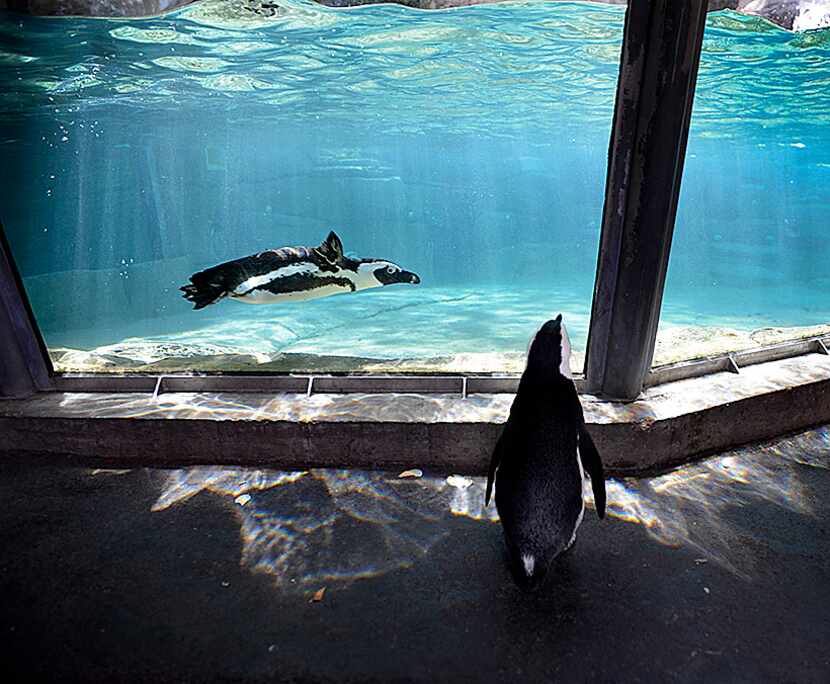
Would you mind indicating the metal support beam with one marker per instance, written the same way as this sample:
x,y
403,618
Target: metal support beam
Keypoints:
x,y
24,364
658,70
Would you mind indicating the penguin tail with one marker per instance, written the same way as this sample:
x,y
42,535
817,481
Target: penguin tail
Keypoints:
x,y
202,295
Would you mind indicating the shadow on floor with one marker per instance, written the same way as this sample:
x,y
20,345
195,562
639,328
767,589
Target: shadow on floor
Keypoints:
x,y
716,572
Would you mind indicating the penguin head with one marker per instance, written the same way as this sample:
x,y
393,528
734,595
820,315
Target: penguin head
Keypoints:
x,y
386,272
370,272
549,354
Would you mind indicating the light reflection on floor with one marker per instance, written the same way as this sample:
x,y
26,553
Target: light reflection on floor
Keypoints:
x,y
290,407
691,506
295,526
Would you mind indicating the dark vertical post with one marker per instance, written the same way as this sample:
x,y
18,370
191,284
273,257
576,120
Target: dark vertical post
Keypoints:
x,y
658,70
24,364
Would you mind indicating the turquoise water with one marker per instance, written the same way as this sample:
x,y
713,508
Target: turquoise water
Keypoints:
x,y
751,245
467,145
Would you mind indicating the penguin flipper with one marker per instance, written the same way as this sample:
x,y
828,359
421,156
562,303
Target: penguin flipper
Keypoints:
x,y
495,460
592,464
331,248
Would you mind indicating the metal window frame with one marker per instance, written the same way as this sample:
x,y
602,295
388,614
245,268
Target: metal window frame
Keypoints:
x,y
25,367
463,385
655,90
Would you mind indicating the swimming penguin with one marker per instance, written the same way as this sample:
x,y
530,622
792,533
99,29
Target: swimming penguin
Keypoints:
x,y
292,273
540,458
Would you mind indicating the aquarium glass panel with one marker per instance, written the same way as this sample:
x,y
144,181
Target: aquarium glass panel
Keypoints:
x,y
467,147
750,262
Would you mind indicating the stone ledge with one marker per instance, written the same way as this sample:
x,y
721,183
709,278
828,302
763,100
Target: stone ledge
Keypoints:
x,y
668,425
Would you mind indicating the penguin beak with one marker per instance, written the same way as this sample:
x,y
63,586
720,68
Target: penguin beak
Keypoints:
x,y
409,277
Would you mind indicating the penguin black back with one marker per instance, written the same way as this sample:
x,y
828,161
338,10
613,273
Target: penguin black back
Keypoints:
x,y
540,457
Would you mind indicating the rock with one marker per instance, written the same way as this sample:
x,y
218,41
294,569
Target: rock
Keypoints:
x,y
79,361
767,336
674,343
150,351
94,8
211,362
797,15
681,343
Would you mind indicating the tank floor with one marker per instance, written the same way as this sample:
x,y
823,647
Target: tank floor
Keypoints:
x,y
717,572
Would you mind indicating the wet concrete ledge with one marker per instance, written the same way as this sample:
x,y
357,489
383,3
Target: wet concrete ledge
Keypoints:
x,y
670,424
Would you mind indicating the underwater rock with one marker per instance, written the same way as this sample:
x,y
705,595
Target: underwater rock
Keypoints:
x,y
475,362
765,336
674,343
79,361
293,362
155,357
257,14
148,351
682,343
151,357
795,15
215,362
94,8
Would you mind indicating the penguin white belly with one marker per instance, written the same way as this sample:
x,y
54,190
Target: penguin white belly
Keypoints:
x,y
303,268
251,291
581,500
266,297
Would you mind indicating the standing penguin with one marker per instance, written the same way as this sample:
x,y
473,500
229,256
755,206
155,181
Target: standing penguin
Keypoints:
x,y
540,458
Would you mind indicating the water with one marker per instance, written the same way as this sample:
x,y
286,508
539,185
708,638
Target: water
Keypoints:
x,y
468,146
750,247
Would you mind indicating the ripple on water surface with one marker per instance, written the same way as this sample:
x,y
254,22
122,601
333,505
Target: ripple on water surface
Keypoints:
x,y
516,54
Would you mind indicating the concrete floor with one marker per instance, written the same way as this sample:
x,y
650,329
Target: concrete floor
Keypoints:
x,y
716,572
